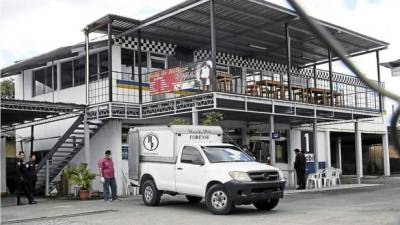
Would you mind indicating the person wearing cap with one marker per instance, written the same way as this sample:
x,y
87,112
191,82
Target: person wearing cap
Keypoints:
x,y
106,168
300,167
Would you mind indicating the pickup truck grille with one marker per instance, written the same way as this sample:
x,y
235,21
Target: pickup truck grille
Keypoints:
x,y
264,175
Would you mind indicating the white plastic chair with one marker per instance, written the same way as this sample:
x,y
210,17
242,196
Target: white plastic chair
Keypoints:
x,y
336,177
327,177
314,179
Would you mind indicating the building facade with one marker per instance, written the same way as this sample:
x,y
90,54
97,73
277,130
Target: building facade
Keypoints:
x,y
334,117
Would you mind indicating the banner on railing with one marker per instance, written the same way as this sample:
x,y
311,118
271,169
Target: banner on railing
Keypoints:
x,y
184,78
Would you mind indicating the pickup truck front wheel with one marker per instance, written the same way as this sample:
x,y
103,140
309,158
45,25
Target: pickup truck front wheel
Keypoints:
x,y
151,196
267,205
218,201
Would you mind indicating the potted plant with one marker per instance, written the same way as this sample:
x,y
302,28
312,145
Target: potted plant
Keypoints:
x,y
80,176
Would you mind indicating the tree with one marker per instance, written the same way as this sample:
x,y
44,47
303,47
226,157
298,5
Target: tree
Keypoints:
x,y
179,121
212,118
7,88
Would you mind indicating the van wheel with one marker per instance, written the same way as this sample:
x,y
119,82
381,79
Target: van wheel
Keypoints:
x,y
193,199
218,201
267,205
151,196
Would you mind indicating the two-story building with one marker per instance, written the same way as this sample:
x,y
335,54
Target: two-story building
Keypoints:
x,y
253,61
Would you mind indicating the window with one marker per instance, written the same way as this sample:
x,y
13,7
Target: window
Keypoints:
x,y
144,59
79,71
93,67
190,154
126,60
39,82
103,63
221,154
43,80
66,75
157,63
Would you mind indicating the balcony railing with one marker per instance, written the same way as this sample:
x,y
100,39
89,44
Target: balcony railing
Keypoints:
x,y
270,84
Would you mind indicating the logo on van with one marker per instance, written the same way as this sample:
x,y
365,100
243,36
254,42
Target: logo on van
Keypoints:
x,y
150,142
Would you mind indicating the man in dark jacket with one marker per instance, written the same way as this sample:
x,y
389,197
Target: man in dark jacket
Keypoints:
x,y
300,167
21,180
31,175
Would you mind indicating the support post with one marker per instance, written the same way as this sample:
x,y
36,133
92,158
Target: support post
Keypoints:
x,y
378,70
315,139
330,76
87,65
213,75
87,138
47,179
315,75
386,156
328,162
195,117
139,37
52,79
358,145
32,138
271,140
288,60
339,153
110,79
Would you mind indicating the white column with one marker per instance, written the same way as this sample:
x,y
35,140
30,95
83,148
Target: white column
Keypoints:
x,y
339,153
271,140
87,139
195,116
358,145
386,159
328,161
316,149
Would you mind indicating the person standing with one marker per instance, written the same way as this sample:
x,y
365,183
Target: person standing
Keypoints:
x,y
300,167
31,174
21,181
106,168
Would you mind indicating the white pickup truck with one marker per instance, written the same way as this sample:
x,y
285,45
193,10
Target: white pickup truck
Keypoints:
x,y
192,160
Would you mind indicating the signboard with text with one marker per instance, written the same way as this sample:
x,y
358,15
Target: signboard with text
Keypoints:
x,y
192,76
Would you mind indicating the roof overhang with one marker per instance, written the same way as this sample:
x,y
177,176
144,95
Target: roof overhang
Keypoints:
x,y
253,28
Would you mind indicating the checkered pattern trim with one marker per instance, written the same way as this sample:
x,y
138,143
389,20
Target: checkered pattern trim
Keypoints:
x,y
147,45
236,60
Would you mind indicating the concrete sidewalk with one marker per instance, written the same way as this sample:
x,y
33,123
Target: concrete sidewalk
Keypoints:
x,y
327,189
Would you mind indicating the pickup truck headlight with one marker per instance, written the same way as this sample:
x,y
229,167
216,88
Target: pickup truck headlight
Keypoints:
x,y
239,176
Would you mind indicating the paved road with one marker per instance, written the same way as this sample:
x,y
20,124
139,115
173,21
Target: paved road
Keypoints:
x,y
368,205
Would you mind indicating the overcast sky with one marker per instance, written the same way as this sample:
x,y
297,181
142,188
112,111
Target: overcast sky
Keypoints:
x,y
31,27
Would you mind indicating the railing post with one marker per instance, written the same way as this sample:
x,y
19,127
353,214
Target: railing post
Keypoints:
x,y
47,178
139,37
110,88
330,75
87,65
289,60
213,74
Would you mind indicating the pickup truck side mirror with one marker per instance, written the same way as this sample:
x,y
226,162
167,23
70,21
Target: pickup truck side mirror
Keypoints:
x,y
198,162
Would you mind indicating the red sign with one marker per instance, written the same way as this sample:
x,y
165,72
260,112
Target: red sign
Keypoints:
x,y
165,81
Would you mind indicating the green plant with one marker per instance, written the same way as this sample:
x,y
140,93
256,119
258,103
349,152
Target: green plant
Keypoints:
x,y
179,121
7,88
79,175
212,118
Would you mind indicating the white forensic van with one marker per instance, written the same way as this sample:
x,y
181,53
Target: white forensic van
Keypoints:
x,y
192,160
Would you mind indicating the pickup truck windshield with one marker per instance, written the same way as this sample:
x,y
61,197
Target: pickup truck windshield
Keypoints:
x,y
217,154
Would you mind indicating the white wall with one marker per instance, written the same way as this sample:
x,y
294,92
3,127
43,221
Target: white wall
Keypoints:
x,y
108,137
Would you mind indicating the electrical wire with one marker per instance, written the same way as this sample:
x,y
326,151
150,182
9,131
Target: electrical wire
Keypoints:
x,y
337,48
